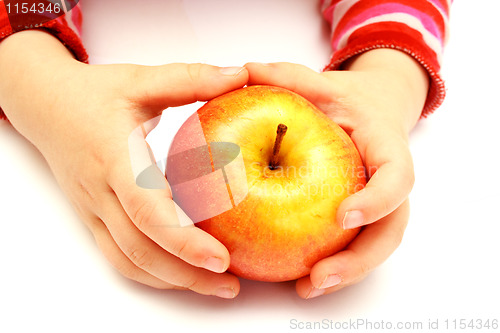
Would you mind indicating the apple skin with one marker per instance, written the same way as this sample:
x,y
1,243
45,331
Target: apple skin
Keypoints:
x,y
276,224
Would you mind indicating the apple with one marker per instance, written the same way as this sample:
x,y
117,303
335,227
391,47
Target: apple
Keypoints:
x,y
263,171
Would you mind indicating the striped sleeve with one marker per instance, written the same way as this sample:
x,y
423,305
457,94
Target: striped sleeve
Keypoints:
x,y
419,28
66,27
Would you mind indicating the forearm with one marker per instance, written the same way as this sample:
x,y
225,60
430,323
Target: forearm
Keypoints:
x,y
35,69
405,79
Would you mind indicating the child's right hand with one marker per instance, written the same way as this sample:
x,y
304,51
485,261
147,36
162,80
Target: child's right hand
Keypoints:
x,y
80,117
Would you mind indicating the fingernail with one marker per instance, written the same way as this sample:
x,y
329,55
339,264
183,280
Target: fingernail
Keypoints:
x,y
225,292
331,281
353,219
315,292
231,71
214,264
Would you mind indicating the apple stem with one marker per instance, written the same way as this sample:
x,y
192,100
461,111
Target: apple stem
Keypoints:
x,y
280,133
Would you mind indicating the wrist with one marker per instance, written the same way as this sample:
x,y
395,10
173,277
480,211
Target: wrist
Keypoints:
x,y
27,57
33,65
25,45
403,77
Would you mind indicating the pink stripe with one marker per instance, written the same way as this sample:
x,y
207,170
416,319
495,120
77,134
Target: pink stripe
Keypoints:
x,y
389,8
76,17
444,8
439,5
328,13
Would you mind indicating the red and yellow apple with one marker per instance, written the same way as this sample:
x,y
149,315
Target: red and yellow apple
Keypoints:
x,y
270,197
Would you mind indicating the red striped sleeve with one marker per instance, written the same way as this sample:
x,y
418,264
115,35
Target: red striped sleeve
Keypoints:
x,y
419,28
66,27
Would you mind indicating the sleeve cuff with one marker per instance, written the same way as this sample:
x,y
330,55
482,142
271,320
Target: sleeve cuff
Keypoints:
x,y
362,42
61,30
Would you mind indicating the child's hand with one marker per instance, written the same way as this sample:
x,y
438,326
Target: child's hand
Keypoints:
x,y
80,117
377,101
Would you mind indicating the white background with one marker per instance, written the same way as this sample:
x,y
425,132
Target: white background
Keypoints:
x,y
53,277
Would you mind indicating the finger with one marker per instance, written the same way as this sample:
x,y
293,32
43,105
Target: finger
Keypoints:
x,y
155,214
370,248
146,197
390,168
121,262
147,255
313,86
113,253
160,87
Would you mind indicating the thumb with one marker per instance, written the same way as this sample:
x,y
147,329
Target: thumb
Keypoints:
x,y
160,87
316,87
390,166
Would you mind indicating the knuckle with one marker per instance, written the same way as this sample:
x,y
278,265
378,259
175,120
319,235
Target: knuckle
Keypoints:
x,y
125,267
194,75
190,283
141,258
386,205
86,191
132,76
194,72
128,271
143,214
363,268
179,249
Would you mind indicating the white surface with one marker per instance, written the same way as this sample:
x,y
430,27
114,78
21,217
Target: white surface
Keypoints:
x,y
53,277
